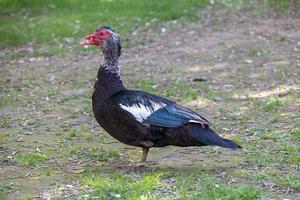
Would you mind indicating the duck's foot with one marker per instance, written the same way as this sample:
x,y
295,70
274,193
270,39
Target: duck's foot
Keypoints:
x,y
144,164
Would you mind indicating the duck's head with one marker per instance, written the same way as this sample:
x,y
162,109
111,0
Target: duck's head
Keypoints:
x,y
107,39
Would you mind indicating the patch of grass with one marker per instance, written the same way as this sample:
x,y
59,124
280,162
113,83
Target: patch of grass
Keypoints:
x,y
272,175
210,188
87,108
2,138
280,70
170,91
275,135
260,153
296,134
280,5
292,152
254,156
75,132
4,122
146,85
9,99
12,132
32,159
286,181
260,7
60,22
175,89
3,85
272,104
68,97
122,186
210,93
97,153
272,145
181,89
250,50
215,191
100,154
5,188
289,149
185,91
72,133
52,92
190,94
39,122
295,158
258,129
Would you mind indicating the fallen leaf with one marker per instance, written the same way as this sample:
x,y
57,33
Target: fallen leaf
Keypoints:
x,y
77,171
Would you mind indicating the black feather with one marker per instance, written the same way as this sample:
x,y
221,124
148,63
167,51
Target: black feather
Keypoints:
x,y
209,137
105,27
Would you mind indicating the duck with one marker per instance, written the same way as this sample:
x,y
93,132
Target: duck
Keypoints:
x,y
138,118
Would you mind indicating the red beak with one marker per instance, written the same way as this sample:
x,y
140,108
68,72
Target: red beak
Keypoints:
x,y
91,39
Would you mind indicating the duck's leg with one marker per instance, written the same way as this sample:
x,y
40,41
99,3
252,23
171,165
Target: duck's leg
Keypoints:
x,y
145,153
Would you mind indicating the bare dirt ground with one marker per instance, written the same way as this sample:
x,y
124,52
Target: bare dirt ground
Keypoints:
x,y
243,66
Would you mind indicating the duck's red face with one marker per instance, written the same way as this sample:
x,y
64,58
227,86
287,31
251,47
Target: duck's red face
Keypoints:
x,y
96,38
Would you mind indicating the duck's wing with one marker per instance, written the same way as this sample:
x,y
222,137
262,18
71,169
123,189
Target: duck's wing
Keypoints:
x,y
154,110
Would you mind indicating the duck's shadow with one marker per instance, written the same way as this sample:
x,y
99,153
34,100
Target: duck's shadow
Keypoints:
x,y
181,161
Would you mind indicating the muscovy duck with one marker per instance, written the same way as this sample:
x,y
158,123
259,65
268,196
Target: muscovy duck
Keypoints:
x,y
138,118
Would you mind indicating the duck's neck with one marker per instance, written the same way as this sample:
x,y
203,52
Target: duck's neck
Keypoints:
x,y
108,81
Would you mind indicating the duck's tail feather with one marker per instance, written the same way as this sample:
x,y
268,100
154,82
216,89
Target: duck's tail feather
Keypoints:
x,y
208,137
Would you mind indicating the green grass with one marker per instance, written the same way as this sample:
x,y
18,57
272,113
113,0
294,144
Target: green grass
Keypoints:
x,y
277,6
100,154
287,181
4,122
64,22
146,185
5,188
61,24
296,134
281,5
146,85
122,186
272,104
190,94
32,159
2,138
215,191
205,186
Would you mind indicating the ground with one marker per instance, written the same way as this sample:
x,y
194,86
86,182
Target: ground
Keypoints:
x,y
238,67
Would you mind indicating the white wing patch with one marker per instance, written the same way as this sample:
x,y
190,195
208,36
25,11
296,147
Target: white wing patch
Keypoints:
x,y
203,123
142,112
